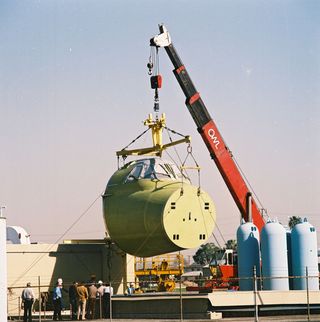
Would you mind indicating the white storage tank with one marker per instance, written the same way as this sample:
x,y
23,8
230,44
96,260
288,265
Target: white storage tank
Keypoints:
x,y
274,257
304,254
248,254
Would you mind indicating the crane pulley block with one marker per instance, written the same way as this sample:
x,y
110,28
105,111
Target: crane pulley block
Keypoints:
x,y
156,81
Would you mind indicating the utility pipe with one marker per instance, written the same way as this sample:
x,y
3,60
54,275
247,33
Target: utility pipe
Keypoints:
x,y
249,206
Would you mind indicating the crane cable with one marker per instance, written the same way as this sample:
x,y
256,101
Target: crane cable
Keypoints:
x,y
189,153
183,173
155,78
263,210
134,140
182,163
154,62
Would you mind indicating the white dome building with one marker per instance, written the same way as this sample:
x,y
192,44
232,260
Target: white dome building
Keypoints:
x,y
17,235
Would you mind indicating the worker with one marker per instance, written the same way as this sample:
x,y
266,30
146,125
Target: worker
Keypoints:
x,y
100,293
82,296
57,302
108,292
73,300
100,289
92,290
27,301
164,265
130,289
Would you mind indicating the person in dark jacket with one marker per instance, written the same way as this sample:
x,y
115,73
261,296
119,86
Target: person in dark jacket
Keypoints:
x,y
57,302
108,292
73,300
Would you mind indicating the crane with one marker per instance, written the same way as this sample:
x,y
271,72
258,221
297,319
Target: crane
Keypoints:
x,y
210,134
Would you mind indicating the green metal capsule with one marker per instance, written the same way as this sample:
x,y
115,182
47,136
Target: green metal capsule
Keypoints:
x,y
150,209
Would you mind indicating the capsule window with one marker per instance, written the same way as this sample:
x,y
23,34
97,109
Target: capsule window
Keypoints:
x,y
312,229
173,205
206,205
134,174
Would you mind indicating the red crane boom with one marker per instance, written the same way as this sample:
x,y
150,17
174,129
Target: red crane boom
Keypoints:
x,y
210,134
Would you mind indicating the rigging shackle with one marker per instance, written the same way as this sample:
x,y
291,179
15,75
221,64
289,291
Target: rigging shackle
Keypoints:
x,y
156,105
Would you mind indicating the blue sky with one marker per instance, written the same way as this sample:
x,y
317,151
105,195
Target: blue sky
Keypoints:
x,y
74,89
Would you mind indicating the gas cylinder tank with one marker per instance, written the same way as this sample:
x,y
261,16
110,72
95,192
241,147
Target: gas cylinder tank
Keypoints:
x,y
248,247
151,209
274,257
304,256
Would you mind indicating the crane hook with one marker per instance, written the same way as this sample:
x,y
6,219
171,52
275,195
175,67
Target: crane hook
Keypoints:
x,y
150,62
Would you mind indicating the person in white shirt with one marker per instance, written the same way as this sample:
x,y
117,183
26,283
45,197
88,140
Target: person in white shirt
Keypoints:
x,y
100,289
100,294
27,300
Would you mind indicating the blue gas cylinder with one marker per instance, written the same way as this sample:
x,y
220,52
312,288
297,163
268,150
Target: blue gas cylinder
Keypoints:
x,y
304,256
248,254
274,257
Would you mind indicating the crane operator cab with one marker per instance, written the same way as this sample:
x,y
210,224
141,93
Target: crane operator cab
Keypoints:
x,y
151,208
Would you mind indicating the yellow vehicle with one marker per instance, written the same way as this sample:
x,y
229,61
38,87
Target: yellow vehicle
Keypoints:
x,y
157,274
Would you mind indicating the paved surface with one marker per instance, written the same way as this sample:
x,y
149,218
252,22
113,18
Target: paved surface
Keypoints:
x,y
289,318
